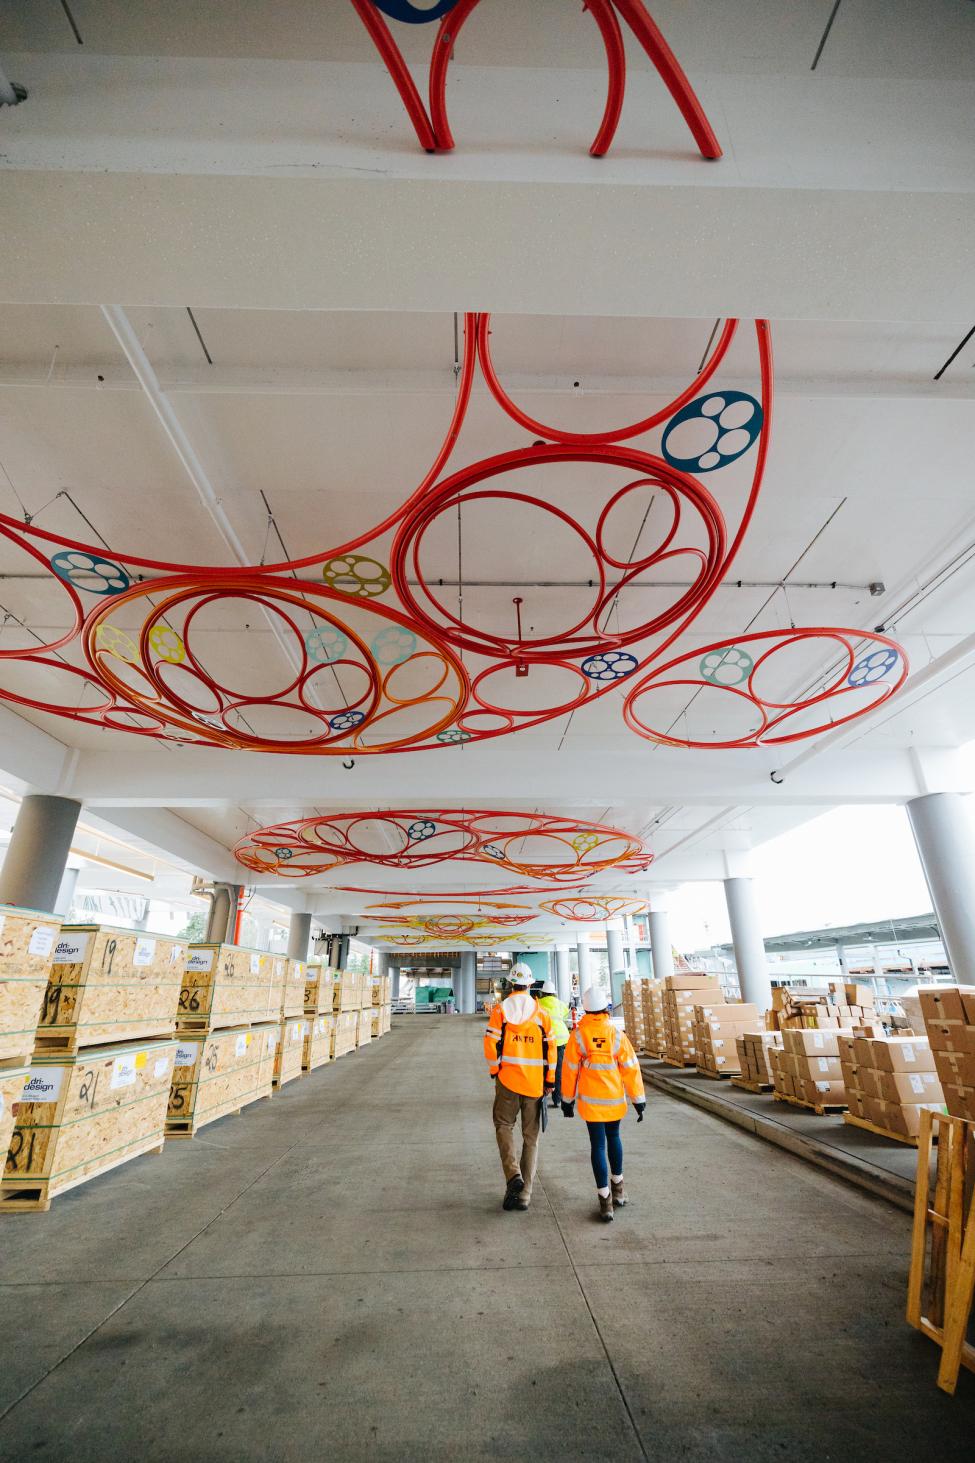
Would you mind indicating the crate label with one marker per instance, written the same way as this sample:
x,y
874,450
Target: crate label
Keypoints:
x,y
297,1031
186,1056
41,941
175,954
817,1039
241,1044
917,1083
908,1051
278,969
141,1060
161,1067
145,951
824,1064
123,1071
822,1086
70,950
299,970
200,960
321,1025
272,1041
255,965
43,1084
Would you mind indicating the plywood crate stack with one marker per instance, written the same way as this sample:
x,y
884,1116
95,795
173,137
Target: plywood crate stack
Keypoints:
x,y
289,975
717,1027
385,1019
680,995
652,995
807,1069
109,985
319,990
217,1074
949,1018
319,1034
633,1020
347,991
83,1113
226,985
382,990
753,1049
290,1050
845,1005
363,1037
889,1081
27,940
345,1032
12,1080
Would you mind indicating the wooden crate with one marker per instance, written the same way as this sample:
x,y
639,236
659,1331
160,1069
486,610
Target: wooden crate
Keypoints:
x,y
941,1284
12,1081
375,1021
27,941
82,1114
217,1074
382,989
347,995
385,1018
109,985
226,985
345,1033
363,1031
290,1050
319,990
292,986
318,1042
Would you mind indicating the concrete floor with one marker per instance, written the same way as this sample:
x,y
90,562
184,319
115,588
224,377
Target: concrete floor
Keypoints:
x,y
330,1275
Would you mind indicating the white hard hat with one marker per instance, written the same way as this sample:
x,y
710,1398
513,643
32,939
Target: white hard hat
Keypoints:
x,y
595,999
548,989
520,975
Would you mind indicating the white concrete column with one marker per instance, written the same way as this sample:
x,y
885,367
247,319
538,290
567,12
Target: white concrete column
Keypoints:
x,y
344,943
382,963
943,830
394,987
299,936
582,955
37,854
746,936
223,912
661,945
563,975
616,960
465,992
66,892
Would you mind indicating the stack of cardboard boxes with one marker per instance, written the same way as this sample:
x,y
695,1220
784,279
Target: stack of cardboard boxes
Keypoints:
x,y
633,1019
717,1027
949,1017
846,1005
806,1069
753,1049
889,1080
652,992
681,994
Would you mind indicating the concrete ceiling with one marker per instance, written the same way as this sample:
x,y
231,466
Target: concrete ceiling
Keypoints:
x,y
253,167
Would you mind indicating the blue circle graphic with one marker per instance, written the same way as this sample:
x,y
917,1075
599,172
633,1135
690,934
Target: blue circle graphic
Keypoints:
x,y
413,14
712,431
873,667
347,720
90,572
325,645
612,665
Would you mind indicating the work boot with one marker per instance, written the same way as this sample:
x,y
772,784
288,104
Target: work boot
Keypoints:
x,y
523,1201
618,1192
515,1185
605,1207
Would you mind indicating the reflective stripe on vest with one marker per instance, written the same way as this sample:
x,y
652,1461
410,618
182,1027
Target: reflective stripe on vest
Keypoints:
x,y
603,1101
524,1061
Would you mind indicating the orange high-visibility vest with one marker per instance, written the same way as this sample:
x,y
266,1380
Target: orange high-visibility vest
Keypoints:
x,y
600,1069
522,1054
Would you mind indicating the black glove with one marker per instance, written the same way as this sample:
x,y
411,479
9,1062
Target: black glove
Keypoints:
x,y
568,1109
641,1108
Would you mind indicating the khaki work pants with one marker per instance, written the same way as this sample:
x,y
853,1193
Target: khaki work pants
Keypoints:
x,y
508,1107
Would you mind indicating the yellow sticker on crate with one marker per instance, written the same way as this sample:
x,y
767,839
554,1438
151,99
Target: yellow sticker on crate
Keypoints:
x,y
140,1060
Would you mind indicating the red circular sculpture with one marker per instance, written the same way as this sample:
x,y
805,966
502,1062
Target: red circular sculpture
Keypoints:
x,y
433,129
738,675
594,910
535,845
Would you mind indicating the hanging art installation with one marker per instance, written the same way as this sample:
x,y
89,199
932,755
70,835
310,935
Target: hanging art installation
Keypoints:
x,y
432,127
364,651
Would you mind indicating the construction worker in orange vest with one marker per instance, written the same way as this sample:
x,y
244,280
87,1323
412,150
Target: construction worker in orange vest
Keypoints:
x,y
600,1071
519,1047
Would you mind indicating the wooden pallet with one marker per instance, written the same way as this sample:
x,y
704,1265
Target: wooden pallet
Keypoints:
x,y
855,1122
747,1086
948,1276
819,1108
715,1076
670,1062
18,1198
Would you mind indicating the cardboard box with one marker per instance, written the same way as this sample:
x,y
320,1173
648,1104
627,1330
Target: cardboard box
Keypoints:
x,y
692,981
960,1101
821,1068
909,1088
821,1091
947,1003
870,1084
900,1054
905,1120
958,1068
812,1042
855,1102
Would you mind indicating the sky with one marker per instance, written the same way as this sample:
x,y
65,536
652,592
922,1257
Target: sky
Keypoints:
x,y
848,865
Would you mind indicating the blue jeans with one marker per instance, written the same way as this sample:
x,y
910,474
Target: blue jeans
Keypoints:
x,y
604,1138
